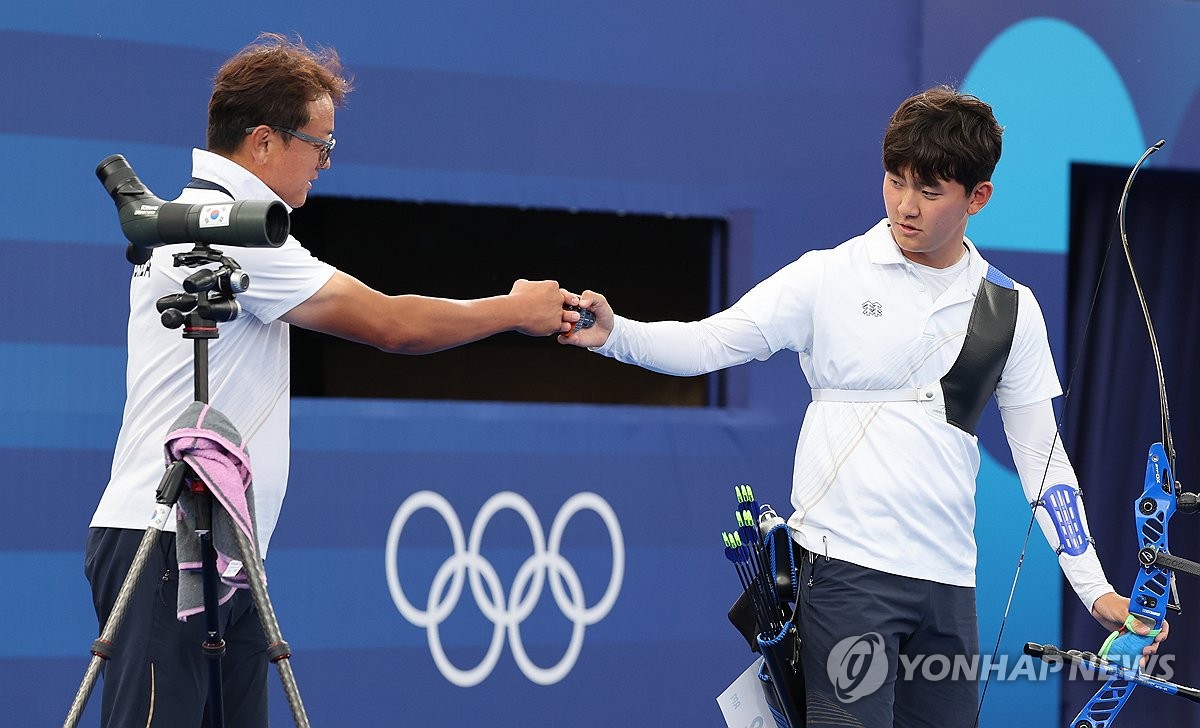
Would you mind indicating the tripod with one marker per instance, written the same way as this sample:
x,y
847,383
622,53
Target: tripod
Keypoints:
x,y
209,299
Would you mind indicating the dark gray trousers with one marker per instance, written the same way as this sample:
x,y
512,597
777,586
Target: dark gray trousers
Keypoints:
x,y
878,649
158,675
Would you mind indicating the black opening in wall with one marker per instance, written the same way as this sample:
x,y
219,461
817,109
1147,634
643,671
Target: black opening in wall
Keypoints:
x,y
650,267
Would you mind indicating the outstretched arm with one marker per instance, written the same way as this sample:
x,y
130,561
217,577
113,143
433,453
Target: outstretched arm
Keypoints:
x,y
410,324
679,348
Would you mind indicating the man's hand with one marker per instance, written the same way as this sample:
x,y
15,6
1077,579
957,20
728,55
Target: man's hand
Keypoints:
x,y
598,333
1112,611
541,307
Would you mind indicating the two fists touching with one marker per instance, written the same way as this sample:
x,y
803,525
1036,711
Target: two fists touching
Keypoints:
x,y
578,319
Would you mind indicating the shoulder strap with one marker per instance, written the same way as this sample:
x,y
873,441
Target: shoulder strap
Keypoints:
x,y
202,184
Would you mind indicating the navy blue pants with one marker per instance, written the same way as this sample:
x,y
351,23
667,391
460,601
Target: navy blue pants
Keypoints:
x,y
158,676
878,649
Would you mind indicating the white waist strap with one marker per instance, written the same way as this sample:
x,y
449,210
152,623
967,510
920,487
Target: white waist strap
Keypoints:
x,y
923,394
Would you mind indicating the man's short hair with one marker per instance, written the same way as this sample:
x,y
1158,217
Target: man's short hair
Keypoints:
x,y
943,135
271,81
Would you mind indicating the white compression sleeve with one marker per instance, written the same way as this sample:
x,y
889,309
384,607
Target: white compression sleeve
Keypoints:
x,y
722,340
1031,432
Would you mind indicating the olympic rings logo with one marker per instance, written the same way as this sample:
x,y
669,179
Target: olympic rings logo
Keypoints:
x,y
506,612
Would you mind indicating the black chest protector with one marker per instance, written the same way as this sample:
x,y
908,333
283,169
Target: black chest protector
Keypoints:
x,y
974,375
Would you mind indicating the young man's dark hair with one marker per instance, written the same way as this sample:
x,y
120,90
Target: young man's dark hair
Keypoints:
x,y
943,135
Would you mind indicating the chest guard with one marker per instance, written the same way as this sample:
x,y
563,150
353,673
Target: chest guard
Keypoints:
x,y
974,375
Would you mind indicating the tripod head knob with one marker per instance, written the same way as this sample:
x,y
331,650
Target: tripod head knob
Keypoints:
x,y
173,318
226,279
200,311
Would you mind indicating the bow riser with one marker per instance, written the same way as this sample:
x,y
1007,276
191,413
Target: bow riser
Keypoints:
x,y
1154,509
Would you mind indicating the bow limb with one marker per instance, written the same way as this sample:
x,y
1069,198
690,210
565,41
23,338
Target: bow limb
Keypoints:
x,y
1167,441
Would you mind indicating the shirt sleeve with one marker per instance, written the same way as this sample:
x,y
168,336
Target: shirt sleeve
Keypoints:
x,y
1029,375
783,305
775,314
1042,462
687,349
280,278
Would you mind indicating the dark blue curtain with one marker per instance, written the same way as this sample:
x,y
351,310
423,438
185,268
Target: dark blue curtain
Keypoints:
x,y
1111,414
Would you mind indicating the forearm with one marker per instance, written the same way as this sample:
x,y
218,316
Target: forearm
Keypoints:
x,y
410,324
691,348
1041,463
423,325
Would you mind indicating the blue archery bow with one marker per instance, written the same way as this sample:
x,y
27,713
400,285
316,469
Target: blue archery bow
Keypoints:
x,y
1154,588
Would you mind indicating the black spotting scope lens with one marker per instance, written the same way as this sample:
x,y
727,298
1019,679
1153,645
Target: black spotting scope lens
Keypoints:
x,y
148,222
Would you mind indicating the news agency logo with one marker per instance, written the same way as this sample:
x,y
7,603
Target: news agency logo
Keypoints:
x,y
857,666
506,611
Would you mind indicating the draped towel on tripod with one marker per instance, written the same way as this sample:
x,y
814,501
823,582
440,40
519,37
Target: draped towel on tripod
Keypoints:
x,y
211,446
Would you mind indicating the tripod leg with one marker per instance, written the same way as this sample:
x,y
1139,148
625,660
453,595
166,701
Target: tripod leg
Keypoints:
x,y
102,648
214,646
277,650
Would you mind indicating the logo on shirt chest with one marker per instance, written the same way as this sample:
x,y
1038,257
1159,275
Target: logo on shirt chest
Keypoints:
x,y
872,308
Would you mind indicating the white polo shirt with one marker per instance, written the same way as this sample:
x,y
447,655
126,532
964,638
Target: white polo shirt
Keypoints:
x,y
249,364
888,485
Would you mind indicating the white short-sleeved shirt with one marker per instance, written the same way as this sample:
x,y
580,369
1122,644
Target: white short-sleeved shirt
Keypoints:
x,y
249,367
888,485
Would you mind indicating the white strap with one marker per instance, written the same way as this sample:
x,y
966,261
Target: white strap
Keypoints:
x,y
924,394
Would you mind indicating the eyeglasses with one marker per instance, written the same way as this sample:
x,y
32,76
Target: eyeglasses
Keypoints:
x,y
324,145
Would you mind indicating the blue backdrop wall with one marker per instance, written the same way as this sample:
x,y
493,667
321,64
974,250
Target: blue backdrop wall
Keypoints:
x,y
769,115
